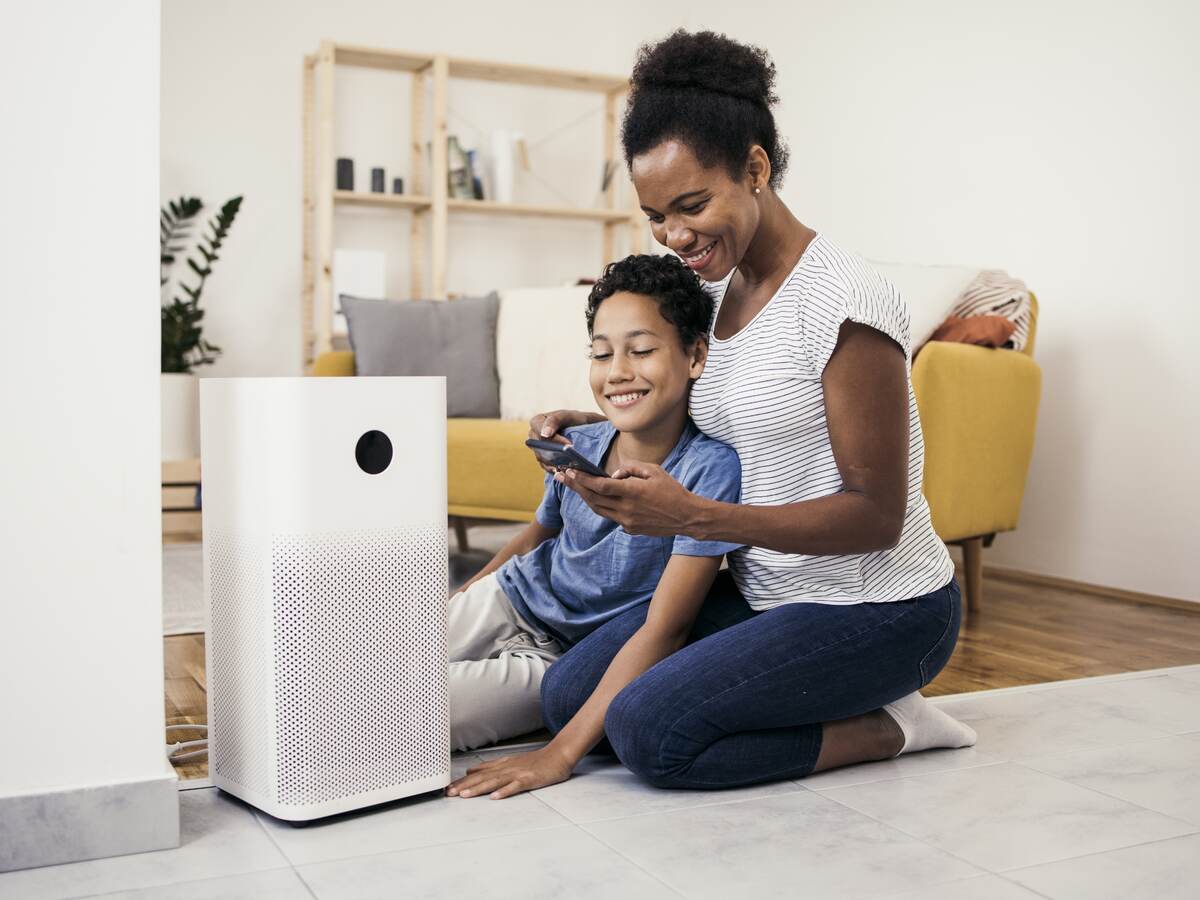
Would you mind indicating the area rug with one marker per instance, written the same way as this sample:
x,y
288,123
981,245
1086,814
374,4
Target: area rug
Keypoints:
x,y
183,588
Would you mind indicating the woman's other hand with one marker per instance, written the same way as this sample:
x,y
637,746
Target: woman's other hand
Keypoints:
x,y
640,497
511,775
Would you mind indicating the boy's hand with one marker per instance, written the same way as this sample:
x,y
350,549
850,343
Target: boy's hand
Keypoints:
x,y
549,426
511,775
640,497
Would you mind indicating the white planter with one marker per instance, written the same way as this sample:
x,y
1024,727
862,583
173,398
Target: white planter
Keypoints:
x,y
180,416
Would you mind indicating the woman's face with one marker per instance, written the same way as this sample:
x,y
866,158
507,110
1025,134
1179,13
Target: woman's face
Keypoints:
x,y
701,213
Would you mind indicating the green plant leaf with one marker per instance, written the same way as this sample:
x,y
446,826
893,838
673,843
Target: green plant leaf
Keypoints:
x,y
183,344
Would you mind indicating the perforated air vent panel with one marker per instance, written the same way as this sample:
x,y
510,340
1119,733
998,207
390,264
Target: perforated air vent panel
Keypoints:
x,y
239,656
359,630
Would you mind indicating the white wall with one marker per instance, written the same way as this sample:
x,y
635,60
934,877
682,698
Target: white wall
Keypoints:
x,y
1058,141
232,112
1054,140
81,636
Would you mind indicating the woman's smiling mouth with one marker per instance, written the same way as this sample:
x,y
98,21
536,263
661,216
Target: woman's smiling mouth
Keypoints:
x,y
700,260
622,401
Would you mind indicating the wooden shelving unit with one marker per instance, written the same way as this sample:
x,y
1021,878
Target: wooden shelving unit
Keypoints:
x,y
181,497
429,205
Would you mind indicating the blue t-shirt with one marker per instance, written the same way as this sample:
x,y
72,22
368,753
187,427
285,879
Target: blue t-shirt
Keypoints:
x,y
594,570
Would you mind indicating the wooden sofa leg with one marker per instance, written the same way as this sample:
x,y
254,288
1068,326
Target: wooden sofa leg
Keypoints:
x,y
973,571
460,533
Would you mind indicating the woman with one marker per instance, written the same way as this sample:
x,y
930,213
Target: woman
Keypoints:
x,y
842,603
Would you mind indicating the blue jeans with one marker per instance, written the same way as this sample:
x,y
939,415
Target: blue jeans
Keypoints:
x,y
743,702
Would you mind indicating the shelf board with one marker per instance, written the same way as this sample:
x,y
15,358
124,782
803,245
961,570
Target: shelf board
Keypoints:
x,y
485,207
372,58
536,76
362,198
552,212
508,73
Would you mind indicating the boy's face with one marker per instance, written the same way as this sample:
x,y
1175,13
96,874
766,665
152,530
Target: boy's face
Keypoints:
x,y
640,368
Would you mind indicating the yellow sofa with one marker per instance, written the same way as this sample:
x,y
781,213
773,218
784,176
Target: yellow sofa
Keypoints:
x,y
978,410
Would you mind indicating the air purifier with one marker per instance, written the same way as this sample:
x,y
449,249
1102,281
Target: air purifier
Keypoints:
x,y
325,576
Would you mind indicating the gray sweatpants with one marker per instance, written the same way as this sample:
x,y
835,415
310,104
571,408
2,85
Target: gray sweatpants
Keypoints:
x,y
497,660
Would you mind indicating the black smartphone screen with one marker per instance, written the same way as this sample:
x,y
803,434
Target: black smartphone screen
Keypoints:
x,y
562,457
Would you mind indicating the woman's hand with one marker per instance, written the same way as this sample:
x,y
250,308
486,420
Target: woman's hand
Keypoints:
x,y
511,775
641,498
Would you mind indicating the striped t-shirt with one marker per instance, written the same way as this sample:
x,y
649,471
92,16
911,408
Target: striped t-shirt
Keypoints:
x,y
761,394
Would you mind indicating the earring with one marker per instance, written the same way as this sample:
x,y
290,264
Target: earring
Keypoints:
x,y
756,190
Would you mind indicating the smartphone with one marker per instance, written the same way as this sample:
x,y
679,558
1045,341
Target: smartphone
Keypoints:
x,y
562,457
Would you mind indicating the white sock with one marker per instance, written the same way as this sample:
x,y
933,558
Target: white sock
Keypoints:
x,y
926,726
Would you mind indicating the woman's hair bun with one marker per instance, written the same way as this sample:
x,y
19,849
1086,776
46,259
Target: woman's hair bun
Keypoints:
x,y
710,92
706,61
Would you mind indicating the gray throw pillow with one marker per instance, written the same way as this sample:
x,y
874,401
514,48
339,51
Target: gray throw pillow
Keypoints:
x,y
455,338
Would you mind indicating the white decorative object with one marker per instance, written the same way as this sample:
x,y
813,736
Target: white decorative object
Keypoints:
x,y
503,165
929,291
358,273
325,575
180,404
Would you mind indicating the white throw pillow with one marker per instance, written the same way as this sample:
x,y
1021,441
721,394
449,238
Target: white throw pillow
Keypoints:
x,y
541,351
929,291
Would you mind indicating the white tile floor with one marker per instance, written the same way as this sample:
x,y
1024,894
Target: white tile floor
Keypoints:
x,y
1088,788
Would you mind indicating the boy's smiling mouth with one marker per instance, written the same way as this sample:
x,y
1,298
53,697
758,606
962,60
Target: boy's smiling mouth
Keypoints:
x,y
626,399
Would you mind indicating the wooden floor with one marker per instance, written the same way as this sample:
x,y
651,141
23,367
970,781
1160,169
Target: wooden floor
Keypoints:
x,y
1022,634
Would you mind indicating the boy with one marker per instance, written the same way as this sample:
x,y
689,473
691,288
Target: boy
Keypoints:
x,y
570,571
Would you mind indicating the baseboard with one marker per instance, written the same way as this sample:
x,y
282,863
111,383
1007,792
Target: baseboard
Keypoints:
x,y
1052,685
63,826
1004,573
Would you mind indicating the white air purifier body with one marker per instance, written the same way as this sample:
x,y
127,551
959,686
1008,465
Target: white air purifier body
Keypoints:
x,y
325,576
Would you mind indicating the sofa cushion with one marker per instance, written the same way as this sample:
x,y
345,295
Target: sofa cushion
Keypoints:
x,y
456,339
929,292
541,351
492,474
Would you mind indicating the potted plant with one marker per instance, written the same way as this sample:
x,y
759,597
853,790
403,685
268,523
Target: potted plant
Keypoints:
x,y
184,346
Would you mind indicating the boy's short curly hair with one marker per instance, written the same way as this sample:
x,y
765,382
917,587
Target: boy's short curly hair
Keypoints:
x,y
665,279
709,92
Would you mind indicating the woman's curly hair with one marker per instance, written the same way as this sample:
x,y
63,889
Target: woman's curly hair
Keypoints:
x,y
665,279
708,92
